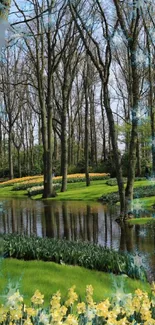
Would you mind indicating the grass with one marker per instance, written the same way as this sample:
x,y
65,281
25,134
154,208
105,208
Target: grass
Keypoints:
x,y
7,192
76,191
141,221
51,277
79,192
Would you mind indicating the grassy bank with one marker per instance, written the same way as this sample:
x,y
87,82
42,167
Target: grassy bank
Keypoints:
x,y
140,221
78,191
51,277
61,251
75,191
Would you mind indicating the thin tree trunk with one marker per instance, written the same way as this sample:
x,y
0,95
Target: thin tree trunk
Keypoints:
x,y
86,134
10,155
133,140
64,160
103,127
119,175
138,153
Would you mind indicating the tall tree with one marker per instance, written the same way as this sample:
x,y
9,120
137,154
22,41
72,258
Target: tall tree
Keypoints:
x,y
102,61
131,33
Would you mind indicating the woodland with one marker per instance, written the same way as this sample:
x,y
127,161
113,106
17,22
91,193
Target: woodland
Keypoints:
x,y
77,91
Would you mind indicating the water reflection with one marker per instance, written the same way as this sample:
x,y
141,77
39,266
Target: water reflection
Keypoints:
x,y
126,238
89,221
71,220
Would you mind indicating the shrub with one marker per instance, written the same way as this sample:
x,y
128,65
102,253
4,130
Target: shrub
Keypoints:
x,y
139,192
123,308
113,181
39,189
87,255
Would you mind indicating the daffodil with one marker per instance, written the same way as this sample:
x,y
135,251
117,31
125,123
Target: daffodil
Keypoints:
x,y
37,298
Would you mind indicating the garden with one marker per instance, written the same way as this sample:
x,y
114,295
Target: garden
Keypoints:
x,y
116,279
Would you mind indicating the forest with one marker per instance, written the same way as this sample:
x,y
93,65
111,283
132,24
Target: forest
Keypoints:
x,y
77,162
77,91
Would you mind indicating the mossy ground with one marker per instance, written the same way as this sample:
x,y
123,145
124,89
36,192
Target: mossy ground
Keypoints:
x,y
51,277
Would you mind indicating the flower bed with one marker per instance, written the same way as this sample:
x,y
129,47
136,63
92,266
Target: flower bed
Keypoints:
x,y
39,189
70,179
123,309
11,182
84,254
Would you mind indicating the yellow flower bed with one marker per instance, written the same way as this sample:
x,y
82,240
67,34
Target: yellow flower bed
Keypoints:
x,y
39,178
22,179
136,309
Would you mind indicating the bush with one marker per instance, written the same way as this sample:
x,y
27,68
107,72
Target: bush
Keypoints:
x,y
139,192
87,255
113,181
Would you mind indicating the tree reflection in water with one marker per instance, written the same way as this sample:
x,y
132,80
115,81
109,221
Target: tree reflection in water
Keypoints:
x,y
88,221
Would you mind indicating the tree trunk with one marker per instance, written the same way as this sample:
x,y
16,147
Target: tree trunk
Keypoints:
x,y
19,163
55,152
133,140
151,105
138,153
1,147
10,155
50,191
93,150
86,135
112,131
64,158
103,127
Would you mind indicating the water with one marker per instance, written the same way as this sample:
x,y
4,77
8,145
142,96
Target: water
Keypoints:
x,y
84,221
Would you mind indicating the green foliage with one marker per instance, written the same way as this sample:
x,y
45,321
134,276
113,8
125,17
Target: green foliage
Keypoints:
x,y
72,169
139,192
101,167
141,221
113,181
87,255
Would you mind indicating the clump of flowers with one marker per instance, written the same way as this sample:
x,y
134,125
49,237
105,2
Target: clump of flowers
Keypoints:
x,y
138,308
32,181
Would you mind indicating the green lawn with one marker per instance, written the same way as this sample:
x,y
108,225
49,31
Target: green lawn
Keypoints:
x,y
7,192
49,277
141,221
79,192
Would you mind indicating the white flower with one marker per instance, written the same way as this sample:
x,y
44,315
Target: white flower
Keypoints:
x,y
44,318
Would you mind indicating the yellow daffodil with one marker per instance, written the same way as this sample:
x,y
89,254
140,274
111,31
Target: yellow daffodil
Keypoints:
x,y
37,298
81,308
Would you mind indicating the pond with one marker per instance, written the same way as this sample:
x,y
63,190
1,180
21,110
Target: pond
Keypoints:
x,y
86,221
